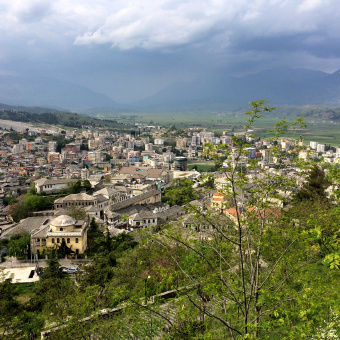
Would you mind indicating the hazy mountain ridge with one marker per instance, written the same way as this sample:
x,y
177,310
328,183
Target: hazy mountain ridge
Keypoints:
x,y
282,86
47,92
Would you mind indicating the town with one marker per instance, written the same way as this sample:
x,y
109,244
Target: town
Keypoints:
x,y
61,187
126,175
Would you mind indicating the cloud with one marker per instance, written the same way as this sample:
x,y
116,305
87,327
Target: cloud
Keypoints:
x,y
155,42
165,24
161,24
30,11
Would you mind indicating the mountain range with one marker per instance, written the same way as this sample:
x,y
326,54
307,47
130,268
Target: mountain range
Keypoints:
x,y
51,93
281,86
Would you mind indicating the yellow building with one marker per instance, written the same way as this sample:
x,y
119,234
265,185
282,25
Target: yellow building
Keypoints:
x,y
62,228
218,201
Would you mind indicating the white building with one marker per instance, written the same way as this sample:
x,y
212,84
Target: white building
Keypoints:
x,y
143,219
313,145
51,186
320,148
52,146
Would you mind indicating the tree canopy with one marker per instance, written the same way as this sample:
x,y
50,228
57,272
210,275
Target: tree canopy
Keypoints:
x,y
181,192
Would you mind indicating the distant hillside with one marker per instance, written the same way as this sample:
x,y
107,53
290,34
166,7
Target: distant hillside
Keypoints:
x,y
282,86
47,92
54,117
319,112
326,113
30,109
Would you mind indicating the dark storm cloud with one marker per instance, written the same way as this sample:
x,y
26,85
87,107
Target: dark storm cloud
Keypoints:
x,y
131,49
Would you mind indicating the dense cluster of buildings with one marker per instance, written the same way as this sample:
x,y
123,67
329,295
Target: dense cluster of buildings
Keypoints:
x,y
127,174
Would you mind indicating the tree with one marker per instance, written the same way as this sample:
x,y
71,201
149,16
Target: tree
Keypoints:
x,y
31,202
19,246
87,185
107,251
53,292
181,192
315,187
9,308
15,321
74,187
248,275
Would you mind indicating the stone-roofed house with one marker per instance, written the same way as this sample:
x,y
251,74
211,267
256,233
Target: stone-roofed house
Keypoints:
x,y
151,173
80,200
51,186
167,214
110,193
102,201
143,219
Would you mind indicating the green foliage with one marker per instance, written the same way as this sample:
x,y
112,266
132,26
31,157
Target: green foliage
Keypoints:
x,y
63,249
86,185
15,321
314,188
9,201
107,251
9,307
181,192
75,187
19,246
53,288
208,181
31,202
53,269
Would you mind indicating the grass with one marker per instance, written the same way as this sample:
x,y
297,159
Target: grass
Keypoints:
x,y
320,130
201,167
25,291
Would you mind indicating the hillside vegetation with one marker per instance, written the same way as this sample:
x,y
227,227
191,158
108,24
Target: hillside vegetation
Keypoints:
x,y
57,118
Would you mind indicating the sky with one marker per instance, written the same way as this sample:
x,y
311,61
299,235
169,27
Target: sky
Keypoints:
x,y
130,49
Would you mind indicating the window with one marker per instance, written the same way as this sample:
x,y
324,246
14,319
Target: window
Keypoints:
x,y
63,240
68,240
61,229
58,241
52,240
77,241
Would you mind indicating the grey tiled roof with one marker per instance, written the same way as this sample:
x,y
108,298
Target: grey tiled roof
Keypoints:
x,y
75,197
133,200
29,224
